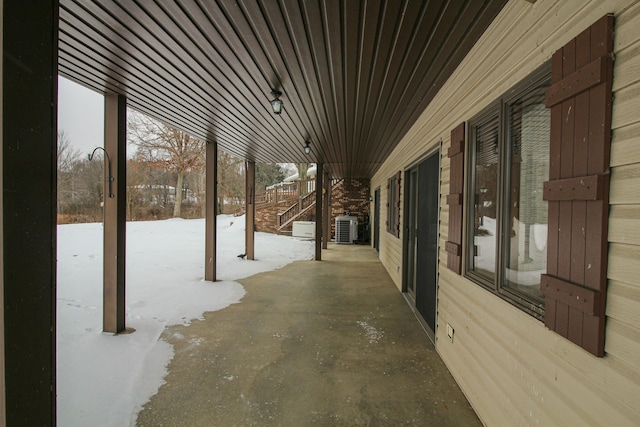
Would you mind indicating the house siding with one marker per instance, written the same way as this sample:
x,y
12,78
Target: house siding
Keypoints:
x,y
513,370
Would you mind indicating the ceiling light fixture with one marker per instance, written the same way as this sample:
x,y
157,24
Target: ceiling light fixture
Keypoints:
x,y
307,148
276,103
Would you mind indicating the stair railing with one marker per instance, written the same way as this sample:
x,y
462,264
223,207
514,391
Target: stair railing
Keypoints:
x,y
285,192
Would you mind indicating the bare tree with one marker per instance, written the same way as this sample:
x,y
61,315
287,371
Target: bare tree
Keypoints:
x,y
230,182
303,175
67,158
197,182
302,170
67,155
169,147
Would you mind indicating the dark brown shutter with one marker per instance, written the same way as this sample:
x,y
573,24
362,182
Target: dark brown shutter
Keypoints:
x,y
398,178
388,219
578,187
453,245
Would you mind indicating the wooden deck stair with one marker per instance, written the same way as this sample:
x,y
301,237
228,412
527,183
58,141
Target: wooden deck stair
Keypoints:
x,y
296,210
299,197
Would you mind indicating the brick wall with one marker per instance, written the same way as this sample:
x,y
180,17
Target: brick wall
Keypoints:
x,y
348,197
267,216
351,197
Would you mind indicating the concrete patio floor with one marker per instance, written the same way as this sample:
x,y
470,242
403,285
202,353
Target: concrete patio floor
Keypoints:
x,y
330,343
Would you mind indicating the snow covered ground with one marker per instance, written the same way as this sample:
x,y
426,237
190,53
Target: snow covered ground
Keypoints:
x,y
103,380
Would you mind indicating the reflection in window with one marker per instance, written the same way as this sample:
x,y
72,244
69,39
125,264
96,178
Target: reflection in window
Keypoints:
x,y
486,185
529,133
507,219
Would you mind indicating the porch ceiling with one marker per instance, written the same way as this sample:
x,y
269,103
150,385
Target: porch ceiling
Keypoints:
x,y
355,75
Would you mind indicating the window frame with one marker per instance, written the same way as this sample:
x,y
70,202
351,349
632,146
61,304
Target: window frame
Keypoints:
x,y
481,118
499,108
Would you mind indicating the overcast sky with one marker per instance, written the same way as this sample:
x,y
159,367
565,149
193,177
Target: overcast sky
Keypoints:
x,y
80,115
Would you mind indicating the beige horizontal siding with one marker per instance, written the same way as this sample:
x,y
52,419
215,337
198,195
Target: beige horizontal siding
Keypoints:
x,y
627,24
626,106
624,224
625,145
629,59
625,183
623,302
623,340
489,336
513,370
624,263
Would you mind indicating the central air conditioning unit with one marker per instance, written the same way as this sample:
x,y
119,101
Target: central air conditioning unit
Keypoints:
x,y
346,229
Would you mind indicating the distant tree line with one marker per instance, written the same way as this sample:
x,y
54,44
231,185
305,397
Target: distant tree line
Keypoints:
x,y
165,176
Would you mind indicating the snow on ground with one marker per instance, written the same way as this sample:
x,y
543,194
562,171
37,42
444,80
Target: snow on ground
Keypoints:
x,y
103,380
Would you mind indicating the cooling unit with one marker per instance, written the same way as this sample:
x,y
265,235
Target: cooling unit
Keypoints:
x,y
346,229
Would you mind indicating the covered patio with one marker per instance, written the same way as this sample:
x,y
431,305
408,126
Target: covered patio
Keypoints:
x,y
330,343
418,100
353,77
331,83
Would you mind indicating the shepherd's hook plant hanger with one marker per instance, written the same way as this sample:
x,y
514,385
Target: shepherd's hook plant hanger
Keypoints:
x,y
109,177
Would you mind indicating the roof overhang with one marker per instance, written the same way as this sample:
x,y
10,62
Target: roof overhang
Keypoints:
x,y
354,75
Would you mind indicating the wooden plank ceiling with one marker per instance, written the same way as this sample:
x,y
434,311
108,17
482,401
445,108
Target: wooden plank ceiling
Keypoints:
x,y
355,75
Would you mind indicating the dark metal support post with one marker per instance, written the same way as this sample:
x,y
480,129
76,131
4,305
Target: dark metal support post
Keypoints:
x,y
28,143
211,195
3,410
250,208
319,176
115,212
326,217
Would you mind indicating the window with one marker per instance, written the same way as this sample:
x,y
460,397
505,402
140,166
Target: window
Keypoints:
x,y
393,205
507,221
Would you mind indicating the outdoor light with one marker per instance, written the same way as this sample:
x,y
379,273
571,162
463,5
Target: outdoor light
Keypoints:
x,y
276,103
307,148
